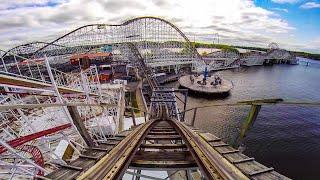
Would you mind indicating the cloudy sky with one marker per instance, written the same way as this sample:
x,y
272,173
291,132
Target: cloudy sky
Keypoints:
x,y
293,24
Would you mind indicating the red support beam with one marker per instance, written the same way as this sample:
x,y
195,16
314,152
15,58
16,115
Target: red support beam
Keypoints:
x,y
24,139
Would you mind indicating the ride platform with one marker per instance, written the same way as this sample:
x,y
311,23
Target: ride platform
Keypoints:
x,y
214,85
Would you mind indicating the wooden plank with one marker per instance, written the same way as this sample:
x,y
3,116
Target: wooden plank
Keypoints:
x,y
163,133
162,130
86,160
224,149
163,155
97,149
106,146
270,175
88,157
169,128
235,157
112,143
163,159
120,135
163,137
116,138
71,167
124,133
214,143
199,131
209,137
163,126
58,174
260,171
220,145
5,79
163,164
82,162
163,100
229,152
163,146
250,166
242,160
93,153
68,173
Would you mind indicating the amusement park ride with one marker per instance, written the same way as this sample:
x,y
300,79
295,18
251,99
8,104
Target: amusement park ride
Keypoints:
x,y
62,115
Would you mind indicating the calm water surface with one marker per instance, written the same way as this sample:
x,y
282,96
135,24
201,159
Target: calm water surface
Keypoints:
x,y
284,137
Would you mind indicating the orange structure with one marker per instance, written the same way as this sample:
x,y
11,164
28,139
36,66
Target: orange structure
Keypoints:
x,y
99,55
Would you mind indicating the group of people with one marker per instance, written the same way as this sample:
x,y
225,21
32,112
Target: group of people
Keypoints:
x,y
203,82
217,81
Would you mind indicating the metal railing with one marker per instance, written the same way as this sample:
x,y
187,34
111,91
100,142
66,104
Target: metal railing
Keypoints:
x,y
247,123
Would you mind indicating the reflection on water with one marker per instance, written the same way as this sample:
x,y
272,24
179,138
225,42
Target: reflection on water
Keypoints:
x,y
284,137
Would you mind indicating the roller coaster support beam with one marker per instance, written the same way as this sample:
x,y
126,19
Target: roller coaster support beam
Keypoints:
x,y
78,122
59,99
185,93
133,117
251,118
247,124
194,116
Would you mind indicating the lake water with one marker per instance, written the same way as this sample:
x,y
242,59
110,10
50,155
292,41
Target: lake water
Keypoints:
x,y
284,137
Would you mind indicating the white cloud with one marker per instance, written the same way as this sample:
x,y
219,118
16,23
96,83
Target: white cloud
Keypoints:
x,y
281,9
310,5
315,42
285,1
237,21
14,4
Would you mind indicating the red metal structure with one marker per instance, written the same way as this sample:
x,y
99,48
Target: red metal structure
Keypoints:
x,y
36,155
24,139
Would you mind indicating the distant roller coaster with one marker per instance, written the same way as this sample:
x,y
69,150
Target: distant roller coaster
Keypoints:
x,y
159,42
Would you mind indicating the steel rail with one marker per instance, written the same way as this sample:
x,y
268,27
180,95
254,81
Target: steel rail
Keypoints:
x,y
212,164
114,164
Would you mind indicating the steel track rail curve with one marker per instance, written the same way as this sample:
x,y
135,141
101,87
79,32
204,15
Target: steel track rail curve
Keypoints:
x,y
210,162
114,164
